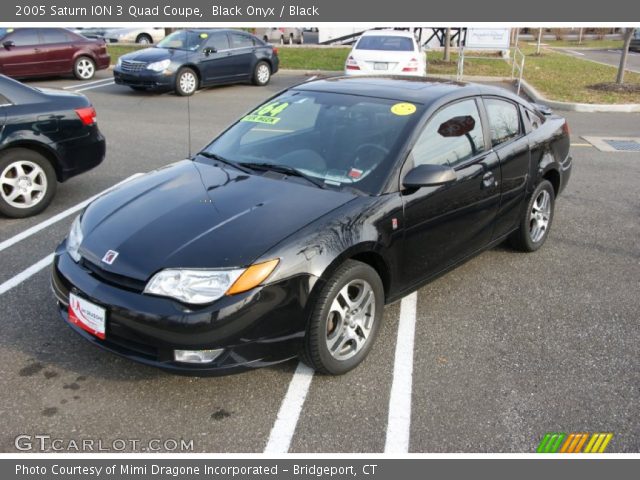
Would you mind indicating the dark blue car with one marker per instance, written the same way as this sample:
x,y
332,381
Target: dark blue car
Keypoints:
x,y
191,59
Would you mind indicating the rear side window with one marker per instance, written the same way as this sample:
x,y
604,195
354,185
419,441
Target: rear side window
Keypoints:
x,y
534,120
53,35
452,136
240,41
389,43
4,100
504,121
24,37
219,41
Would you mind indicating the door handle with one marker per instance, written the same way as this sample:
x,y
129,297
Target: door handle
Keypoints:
x,y
488,180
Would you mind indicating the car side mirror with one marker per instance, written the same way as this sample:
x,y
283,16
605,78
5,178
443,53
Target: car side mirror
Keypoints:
x,y
8,44
429,176
209,50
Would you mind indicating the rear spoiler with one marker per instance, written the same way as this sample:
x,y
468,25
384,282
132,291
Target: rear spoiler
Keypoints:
x,y
543,109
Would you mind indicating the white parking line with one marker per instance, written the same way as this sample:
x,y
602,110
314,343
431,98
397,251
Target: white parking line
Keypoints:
x,y
399,420
575,53
25,274
287,419
80,85
56,218
94,86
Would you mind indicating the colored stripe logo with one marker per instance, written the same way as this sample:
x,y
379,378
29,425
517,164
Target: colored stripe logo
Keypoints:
x,y
574,443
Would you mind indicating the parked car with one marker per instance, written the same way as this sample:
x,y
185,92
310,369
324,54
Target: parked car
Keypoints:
x,y
387,52
191,59
142,36
290,231
288,35
91,32
38,52
635,41
46,136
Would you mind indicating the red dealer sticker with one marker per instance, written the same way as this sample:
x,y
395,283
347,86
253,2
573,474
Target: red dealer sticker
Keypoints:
x,y
87,315
355,173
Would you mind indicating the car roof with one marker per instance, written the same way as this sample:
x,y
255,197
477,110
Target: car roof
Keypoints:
x,y
388,33
425,90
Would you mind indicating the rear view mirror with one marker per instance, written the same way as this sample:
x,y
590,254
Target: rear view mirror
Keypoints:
x,y
429,176
8,44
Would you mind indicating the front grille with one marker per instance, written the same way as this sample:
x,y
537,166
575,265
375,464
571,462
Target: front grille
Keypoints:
x,y
113,279
130,66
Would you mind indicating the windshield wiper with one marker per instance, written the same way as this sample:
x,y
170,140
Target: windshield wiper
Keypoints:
x,y
286,169
218,158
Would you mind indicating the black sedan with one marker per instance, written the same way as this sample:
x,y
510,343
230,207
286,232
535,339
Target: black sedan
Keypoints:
x,y
289,232
46,136
190,59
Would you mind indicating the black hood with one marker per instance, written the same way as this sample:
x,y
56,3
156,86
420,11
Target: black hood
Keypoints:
x,y
155,54
197,215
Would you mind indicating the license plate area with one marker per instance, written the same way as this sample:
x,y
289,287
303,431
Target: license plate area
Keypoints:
x,y
87,315
380,66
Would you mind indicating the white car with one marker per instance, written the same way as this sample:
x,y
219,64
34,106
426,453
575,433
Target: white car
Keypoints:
x,y
386,52
143,36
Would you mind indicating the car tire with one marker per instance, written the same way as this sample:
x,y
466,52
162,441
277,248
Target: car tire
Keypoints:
x,y
27,182
301,41
84,68
144,39
261,74
346,319
281,39
536,221
291,39
186,82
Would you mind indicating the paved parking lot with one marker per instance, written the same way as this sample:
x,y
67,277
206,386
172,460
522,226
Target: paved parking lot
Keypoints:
x,y
507,347
607,56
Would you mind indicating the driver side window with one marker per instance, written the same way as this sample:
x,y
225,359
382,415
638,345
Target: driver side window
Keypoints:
x,y
452,136
219,41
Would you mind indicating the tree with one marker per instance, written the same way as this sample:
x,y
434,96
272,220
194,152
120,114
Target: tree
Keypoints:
x,y
168,31
628,33
447,45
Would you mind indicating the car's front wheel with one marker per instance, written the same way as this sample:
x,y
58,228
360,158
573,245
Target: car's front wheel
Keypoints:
x,y
536,221
345,320
27,183
261,74
186,82
84,68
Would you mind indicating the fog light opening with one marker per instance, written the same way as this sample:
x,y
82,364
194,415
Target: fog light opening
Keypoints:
x,y
196,356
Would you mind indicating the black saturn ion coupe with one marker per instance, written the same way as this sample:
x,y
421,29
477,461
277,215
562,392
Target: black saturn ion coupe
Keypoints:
x,y
290,231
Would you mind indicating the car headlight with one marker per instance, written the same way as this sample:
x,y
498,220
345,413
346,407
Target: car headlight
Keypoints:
x,y
74,239
205,286
119,62
159,66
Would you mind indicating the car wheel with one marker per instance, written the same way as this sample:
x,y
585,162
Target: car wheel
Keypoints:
x,y
144,39
281,39
345,320
536,222
261,74
186,82
27,183
84,68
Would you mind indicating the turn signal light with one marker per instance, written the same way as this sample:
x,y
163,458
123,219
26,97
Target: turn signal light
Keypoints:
x,y
412,66
87,115
253,276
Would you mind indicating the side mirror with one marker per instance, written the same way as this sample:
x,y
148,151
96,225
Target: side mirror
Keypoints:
x,y
8,44
429,176
209,50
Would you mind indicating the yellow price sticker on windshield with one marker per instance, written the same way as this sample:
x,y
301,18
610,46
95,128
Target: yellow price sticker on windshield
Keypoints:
x,y
403,109
204,35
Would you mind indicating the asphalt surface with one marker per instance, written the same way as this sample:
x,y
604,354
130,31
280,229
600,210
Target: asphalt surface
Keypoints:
x,y
508,346
606,56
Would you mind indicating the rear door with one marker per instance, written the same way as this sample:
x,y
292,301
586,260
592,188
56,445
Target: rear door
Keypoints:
x,y
25,56
57,51
242,54
510,142
445,224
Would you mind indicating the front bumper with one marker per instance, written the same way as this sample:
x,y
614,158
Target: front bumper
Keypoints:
x,y
256,329
145,79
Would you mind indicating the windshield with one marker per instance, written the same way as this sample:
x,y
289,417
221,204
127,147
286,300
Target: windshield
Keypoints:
x,y
4,31
184,40
339,140
389,43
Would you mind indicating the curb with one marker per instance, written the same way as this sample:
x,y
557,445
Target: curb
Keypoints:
x,y
527,88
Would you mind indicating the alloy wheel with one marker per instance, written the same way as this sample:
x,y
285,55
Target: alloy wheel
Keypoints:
x,y
23,184
188,82
85,68
539,217
263,73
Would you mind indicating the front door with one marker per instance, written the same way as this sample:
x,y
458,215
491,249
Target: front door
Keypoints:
x,y
24,57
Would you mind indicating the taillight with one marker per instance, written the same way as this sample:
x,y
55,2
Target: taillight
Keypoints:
x,y
351,64
87,115
412,66
565,128
275,51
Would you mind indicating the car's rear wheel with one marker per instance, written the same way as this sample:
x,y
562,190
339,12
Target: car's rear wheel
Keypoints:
x,y
84,68
345,320
144,39
27,183
186,82
536,222
261,74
